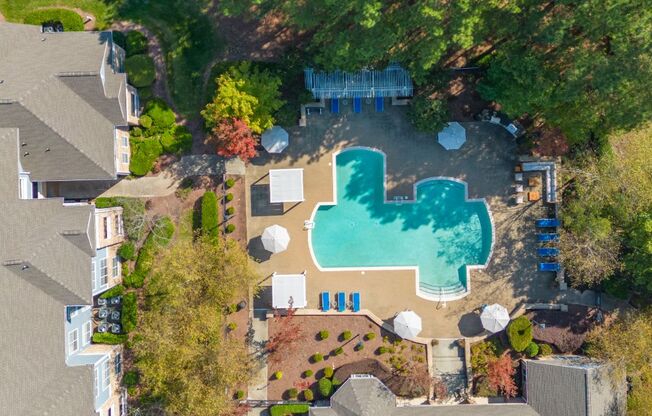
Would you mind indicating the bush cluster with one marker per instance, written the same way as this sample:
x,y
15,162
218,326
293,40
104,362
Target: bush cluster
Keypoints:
x,y
117,290
107,338
140,70
70,20
289,409
323,334
428,115
129,317
160,236
127,251
209,220
325,386
519,332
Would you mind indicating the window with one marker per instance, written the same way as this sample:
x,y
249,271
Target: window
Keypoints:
x,y
106,373
73,341
87,333
104,273
125,141
107,227
134,104
93,276
125,158
117,364
116,224
116,266
121,230
96,382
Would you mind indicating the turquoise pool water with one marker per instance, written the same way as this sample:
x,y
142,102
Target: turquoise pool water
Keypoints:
x,y
440,232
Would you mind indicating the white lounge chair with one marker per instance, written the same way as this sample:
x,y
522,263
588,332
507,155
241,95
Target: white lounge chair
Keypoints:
x,y
308,225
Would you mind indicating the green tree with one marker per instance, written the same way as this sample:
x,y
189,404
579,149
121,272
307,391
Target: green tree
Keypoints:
x,y
184,358
638,262
246,93
427,114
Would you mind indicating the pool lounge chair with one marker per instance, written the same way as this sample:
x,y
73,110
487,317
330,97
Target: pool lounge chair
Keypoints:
x,y
335,105
325,301
548,237
548,251
547,223
357,104
548,267
380,104
355,300
341,301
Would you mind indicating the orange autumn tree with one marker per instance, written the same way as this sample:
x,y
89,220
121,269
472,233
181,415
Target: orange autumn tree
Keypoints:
x,y
500,375
232,137
288,333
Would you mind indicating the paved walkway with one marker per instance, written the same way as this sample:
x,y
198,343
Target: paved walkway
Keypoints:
x,y
259,382
448,363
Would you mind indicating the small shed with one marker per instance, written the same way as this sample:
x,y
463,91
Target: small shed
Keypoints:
x,y
289,291
285,185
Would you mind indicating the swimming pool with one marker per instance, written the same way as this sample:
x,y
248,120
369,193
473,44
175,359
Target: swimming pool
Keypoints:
x,y
440,234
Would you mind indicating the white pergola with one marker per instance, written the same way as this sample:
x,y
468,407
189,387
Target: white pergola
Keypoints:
x,y
285,185
289,291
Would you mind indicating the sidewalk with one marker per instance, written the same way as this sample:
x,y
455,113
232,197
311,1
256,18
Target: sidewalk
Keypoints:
x,y
259,382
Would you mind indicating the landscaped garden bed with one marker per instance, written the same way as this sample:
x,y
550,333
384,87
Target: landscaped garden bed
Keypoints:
x,y
565,330
329,342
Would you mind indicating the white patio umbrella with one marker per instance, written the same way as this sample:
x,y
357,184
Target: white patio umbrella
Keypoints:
x,y
453,136
275,238
407,324
275,139
494,318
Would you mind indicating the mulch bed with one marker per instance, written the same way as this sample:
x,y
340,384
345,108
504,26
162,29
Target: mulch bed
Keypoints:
x,y
295,361
239,219
565,330
463,100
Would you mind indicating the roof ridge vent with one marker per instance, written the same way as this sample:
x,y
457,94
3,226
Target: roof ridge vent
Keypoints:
x,y
72,232
12,262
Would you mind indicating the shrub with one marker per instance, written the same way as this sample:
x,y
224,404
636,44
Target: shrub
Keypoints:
x,y
359,347
346,335
70,20
232,308
136,43
161,114
229,183
176,141
136,132
328,372
232,326
145,121
382,350
323,334
144,153
325,387
545,349
140,71
370,336
338,351
239,394
307,395
127,251
293,393
336,382
317,357
117,290
307,373
532,350
428,115
229,197
278,375
230,228
106,338
160,236
230,211
483,389
130,378
209,220
481,354
288,409
519,332
129,317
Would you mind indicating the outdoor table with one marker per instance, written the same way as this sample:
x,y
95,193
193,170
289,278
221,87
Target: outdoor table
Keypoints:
x,y
533,196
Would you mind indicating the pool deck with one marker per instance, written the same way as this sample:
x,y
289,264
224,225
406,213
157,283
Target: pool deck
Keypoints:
x,y
485,162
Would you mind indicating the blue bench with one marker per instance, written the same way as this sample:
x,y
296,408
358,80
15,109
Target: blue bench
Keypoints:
x,y
547,223
548,237
548,267
335,105
380,104
548,251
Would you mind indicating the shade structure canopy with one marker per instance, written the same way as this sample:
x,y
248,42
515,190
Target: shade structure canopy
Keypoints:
x,y
407,324
275,238
288,291
285,185
494,318
275,139
453,136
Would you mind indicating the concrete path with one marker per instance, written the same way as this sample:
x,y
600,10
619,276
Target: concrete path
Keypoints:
x,y
259,382
448,364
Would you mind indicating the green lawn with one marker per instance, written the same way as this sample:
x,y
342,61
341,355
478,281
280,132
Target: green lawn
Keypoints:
x,y
16,10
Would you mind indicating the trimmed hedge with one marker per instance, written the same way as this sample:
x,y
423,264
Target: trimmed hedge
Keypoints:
x,y
117,290
209,220
135,43
127,251
107,338
144,153
70,20
129,316
519,332
325,387
288,409
161,114
532,350
140,70
159,237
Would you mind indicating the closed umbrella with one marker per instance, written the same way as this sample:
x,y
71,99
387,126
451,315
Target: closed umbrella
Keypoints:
x,y
407,324
275,139
453,136
494,318
275,239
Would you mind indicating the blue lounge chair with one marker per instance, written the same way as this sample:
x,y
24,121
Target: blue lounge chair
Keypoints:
x,y
548,251
335,105
380,104
547,222
357,104
325,301
548,267
355,298
548,237
341,302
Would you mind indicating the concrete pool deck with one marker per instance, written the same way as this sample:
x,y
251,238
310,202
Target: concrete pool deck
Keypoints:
x,y
486,162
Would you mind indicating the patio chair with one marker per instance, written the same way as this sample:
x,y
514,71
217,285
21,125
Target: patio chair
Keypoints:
x,y
547,237
518,187
308,225
103,327
355,298
341,301
325,301
548,251
357,104
335,105
549,267
547,223
518,177
380,104
103,313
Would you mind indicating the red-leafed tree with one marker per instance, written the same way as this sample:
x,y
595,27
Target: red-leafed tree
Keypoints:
x,y
500,374
232,137
287,333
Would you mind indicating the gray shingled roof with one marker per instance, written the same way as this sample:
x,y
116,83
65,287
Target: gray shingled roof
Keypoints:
x,y
45,264
52,89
